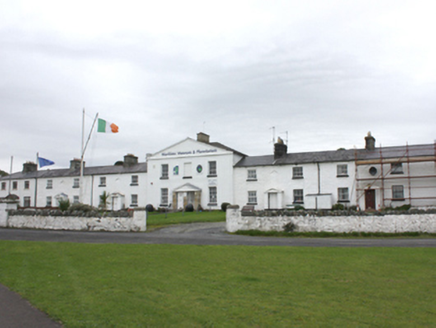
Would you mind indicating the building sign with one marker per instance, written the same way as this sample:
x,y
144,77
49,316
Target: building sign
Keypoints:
x,y
191,152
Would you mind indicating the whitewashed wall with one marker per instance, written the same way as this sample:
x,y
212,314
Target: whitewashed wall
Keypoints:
x,y
279,178
136,223
196,153
387,223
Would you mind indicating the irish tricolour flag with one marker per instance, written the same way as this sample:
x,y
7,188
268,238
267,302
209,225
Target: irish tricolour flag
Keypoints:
x,y
106,127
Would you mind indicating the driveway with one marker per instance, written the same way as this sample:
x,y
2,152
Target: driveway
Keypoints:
x,y
203,234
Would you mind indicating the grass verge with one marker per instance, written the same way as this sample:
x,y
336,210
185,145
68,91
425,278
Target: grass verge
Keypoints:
x,y
93,285
155,220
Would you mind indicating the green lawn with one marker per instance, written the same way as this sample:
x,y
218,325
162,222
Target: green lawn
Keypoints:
x,y
155,220
108,285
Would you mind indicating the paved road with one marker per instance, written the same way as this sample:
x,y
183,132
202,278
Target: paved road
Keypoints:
x,y
203,234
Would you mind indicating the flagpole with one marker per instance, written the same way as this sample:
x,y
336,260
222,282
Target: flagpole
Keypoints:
x,y
10,174
36,178
84,146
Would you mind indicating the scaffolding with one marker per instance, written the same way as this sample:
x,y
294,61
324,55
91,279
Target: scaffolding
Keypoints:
x,y
395,157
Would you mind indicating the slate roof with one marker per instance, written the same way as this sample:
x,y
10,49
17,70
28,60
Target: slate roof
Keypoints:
x,y
346,155
92,170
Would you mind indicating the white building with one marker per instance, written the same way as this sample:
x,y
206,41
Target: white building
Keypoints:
x,y
207,174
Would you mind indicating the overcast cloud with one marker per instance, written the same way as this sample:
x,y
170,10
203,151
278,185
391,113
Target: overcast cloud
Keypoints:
x,y
325,72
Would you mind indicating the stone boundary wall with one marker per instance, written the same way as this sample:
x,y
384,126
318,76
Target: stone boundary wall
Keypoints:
x,y
390,223
138,222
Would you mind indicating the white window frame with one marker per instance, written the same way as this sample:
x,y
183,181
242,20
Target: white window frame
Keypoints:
x,y
3,185
343,195
297,172
49,184
102,182
26,201
298,196
164,171
398,192
26,184
48,201
76,183
252,197
76,199
14,185
134,180
342,170
213,195
134,200
251,174
397,168
213,169
164,193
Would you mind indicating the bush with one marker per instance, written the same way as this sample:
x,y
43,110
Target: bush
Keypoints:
x,y
338,207
149,208
289,227
189,208
299,208
81,207
64,204
224,206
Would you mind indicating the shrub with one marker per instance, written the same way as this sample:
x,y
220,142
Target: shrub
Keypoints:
x,y
149,208
189,208
299,208
289,227
64,204
224,206
338,207
81,207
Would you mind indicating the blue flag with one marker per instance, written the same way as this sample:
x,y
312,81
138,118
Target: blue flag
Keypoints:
x,y
44,162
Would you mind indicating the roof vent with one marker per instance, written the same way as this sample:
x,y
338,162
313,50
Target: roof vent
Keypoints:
x,y
203,137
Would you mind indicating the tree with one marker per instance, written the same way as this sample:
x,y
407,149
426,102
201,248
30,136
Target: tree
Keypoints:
x,y
3,173
104,197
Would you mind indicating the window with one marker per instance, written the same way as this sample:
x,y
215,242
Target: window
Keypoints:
x,y
134,181
164,197
3,185
76,183
164,174
102,182
26,201
49,184
252,197
298,196
187,171
397,168
251,175
343,195
212,169
297,172
342,170
212,196
26,184
48,201
398,192
134,200
14,185
75,199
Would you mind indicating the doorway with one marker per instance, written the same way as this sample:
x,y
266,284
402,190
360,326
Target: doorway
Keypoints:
x,y
370,199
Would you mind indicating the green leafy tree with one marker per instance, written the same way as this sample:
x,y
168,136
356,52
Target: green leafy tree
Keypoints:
x,y
3,173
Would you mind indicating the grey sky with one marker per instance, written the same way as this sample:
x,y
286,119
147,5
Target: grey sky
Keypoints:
x,y
327,72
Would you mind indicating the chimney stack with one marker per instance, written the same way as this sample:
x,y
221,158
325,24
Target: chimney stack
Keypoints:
x,y
75,164
280,149
203,137
29,167
369,142
130,160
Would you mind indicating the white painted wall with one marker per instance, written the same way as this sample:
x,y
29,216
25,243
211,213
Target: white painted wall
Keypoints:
x,y
196,153
279,178
387,223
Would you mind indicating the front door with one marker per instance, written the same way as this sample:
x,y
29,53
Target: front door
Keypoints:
x,y
272,201
370,199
